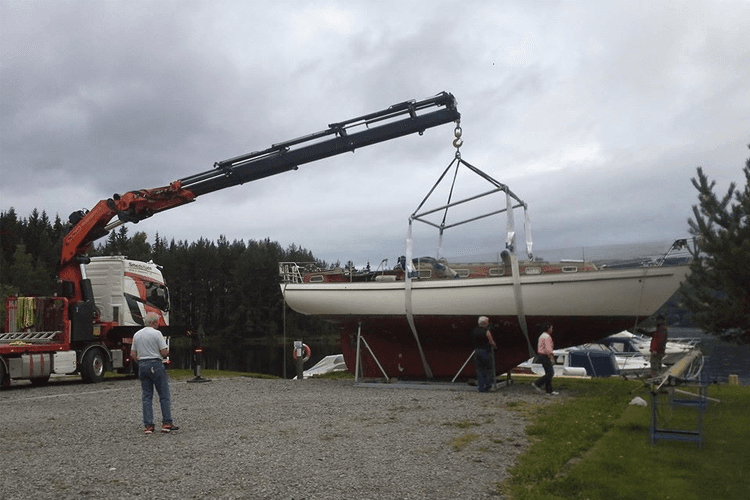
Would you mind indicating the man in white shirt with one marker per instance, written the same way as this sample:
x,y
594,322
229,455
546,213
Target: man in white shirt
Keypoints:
x,y
149,347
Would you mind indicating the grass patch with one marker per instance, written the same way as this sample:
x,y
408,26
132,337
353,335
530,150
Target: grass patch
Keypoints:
x,y
523,408
460,442
465,424
595,445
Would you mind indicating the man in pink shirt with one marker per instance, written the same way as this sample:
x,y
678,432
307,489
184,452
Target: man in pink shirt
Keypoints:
x,y
546,357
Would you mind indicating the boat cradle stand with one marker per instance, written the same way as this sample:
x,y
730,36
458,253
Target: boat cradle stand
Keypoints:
x,y
508,377
358,363
662,398
398,384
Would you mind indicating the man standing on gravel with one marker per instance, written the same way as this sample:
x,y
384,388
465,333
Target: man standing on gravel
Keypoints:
x,y
481,339
149,347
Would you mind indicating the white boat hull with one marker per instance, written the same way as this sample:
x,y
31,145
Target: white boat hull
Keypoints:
x,y
606,293
584,307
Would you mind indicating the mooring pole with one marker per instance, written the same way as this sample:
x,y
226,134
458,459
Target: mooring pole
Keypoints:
x,y
299,358
198,356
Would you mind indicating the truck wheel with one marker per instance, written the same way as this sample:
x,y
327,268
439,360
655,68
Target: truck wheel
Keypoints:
x,y
4,378
92,367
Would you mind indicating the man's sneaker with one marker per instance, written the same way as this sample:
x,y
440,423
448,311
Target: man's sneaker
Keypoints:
x,y
165,428
149,429
553,393
536,387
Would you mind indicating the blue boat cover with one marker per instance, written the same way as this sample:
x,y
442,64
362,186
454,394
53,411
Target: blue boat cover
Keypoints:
x,y
596,363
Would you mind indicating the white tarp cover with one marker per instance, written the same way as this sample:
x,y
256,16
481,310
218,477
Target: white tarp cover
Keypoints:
x,y
329,364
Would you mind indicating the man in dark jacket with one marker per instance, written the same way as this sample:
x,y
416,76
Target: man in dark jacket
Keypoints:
x,y
658,345
483,343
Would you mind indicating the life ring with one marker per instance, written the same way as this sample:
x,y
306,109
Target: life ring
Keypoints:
x,y
306,357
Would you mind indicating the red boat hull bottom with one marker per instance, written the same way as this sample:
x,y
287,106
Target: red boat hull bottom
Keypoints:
x,y
446,342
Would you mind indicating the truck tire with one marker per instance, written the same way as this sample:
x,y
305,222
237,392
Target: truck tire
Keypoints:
x,y
4,377
92,367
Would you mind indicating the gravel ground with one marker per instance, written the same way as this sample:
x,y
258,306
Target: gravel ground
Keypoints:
x,y
260,439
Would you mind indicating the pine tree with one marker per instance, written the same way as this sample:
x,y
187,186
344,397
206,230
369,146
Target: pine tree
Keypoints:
x,y
720,279
27,275
138,247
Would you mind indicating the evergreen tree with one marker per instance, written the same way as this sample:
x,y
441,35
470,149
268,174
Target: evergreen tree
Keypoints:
x,y
27,275
720,277
138,247
159,250
11,233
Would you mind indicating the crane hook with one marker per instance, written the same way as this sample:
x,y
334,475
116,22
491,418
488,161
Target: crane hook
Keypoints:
x,y
457,142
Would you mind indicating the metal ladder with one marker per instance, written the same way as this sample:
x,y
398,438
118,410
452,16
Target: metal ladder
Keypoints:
x,y
28,336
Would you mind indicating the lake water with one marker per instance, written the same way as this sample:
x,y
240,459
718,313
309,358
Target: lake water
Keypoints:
x,y
721,359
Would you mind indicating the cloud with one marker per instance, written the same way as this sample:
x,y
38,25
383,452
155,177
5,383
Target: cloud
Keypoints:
x,y
596,114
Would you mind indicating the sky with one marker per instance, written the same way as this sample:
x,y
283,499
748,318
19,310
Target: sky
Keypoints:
x,y
596,114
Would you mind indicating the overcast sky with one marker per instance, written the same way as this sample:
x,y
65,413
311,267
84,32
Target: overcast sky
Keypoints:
x,y
594,113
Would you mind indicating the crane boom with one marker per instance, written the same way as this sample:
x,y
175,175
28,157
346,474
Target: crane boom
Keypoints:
x,y
378,127
395,121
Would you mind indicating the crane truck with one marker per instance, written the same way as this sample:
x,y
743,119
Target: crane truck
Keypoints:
x,y
87,327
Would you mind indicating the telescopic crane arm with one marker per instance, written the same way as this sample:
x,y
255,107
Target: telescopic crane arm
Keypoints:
x,y
398,120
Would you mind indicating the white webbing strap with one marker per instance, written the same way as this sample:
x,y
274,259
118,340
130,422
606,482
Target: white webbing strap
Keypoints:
x,y
527,231
510,229
407,301
519,301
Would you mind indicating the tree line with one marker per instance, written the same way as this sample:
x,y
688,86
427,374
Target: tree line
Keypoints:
x,y
226,291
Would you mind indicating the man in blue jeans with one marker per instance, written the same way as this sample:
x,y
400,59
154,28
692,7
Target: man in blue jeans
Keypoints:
x,y
149,348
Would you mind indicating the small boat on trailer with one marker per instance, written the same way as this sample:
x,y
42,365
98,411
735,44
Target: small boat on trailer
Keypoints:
x,y
591,360
413,321
626,342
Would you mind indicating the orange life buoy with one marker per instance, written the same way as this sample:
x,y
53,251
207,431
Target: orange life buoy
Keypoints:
x,y
306,357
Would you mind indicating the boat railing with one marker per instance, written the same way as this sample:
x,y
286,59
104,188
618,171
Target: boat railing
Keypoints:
x,y
687,341
290,272
676,252
430,268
